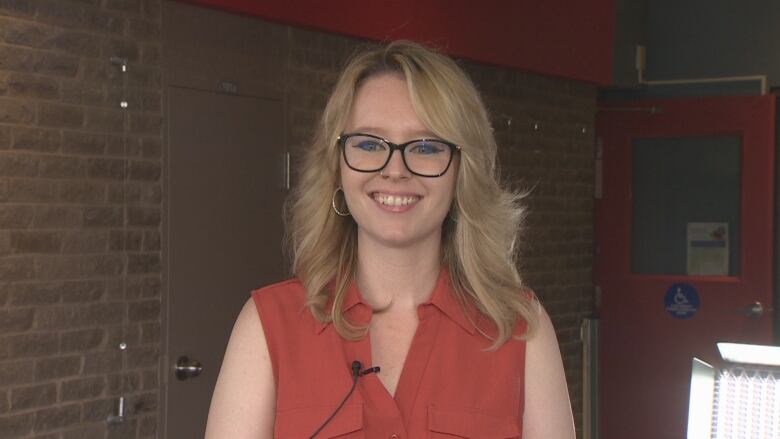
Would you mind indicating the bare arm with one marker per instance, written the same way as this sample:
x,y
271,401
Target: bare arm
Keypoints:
x,y
243,405
547,407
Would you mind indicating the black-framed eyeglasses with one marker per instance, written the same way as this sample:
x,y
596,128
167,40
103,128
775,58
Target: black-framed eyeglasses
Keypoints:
x,y
422,157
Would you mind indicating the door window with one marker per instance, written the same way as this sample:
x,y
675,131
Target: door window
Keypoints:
x,y
685,199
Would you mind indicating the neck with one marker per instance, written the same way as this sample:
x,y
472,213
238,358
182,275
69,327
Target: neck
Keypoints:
x,y
399,277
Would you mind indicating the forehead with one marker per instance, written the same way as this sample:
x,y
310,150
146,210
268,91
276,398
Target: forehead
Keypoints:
x,y
383,106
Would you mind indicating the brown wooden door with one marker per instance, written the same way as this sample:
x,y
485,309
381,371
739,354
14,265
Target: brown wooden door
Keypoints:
x,y
225,193
685,235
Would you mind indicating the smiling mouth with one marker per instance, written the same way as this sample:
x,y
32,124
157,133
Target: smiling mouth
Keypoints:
x,y
395,200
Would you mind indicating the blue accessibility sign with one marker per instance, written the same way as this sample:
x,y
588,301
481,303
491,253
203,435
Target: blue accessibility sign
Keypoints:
x,y
681,301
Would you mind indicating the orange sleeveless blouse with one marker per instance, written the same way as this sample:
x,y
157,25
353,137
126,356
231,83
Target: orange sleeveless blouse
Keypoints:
x,y
450,385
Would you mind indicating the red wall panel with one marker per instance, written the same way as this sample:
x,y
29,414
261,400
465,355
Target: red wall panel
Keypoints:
x,y
565,38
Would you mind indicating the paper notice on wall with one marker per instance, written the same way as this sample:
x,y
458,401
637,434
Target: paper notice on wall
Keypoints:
x,y
708,249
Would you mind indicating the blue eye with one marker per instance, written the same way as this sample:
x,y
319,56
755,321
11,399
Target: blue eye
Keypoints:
x,y
426,147
369,145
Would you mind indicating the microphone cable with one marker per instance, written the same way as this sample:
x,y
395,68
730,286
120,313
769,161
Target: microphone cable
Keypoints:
x,y
356,373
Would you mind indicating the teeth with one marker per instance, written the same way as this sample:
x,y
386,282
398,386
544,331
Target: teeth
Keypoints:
x,y
392,200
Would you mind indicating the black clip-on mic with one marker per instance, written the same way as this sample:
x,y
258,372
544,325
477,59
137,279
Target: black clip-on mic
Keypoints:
x,y
356,373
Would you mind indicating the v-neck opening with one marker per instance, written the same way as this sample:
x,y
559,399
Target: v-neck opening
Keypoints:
x,y
404,399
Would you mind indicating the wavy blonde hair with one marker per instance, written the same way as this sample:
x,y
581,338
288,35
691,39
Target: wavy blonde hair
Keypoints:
x,y
478,237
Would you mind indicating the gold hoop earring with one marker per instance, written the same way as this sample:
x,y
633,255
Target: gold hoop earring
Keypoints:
x,y
333,203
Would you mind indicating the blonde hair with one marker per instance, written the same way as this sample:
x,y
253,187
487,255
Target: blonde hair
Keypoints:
x,y
479,235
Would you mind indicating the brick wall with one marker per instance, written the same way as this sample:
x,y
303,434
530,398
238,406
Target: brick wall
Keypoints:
x,y
80,211
68,235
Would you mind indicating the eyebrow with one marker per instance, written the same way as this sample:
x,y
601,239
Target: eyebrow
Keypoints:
x,y
380,133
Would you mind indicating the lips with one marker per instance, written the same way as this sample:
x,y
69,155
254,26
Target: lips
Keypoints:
x,y
394,200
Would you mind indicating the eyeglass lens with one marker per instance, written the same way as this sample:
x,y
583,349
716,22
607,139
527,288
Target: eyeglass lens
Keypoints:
x,y
424,157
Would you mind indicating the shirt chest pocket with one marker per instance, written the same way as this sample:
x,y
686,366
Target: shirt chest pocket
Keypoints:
x,y
464,423
302,422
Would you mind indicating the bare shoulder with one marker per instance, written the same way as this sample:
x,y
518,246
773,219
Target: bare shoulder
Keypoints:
x,y
243,404
547,407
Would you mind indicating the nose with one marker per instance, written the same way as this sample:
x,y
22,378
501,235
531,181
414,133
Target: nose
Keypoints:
x,y
395,168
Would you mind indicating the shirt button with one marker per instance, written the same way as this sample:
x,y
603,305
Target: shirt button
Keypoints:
x,y
393,436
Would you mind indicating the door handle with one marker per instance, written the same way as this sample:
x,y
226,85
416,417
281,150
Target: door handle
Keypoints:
x,y
186,368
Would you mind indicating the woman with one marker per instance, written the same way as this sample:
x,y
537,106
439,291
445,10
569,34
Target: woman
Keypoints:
x,y
404,261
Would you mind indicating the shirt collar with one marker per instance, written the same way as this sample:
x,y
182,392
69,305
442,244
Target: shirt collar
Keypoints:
x,y
443,298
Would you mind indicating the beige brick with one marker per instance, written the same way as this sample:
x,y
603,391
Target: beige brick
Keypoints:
x,y
81,191
143,263
32,190
16,216
74,43
15,110
147,426
82,388
35,139
152,241
39,395
143,216
56,216
124,383
32,86
83,93
14,373
127,332
62,167
57,417
16,268
144,170
136,193
133,6
151,9
103,216
35,293
80,291
150,333
16,426
60,116
106,168
145,76
150,54
150,379
85,241
83,143
98,410
102,362
36,241
146,123
104,120
23,32
75,266
74,15
18,164
130,240
57,367
146,286
22,8
34,345
52,64
147,310
96,430
4,404
152,147
126,145
82,340
78,315
5,137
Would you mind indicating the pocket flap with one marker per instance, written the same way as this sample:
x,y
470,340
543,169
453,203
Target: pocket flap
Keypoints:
x,y
471,424
302,422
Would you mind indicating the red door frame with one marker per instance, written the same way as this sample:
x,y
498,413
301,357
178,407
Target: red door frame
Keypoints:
x,y
625,361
